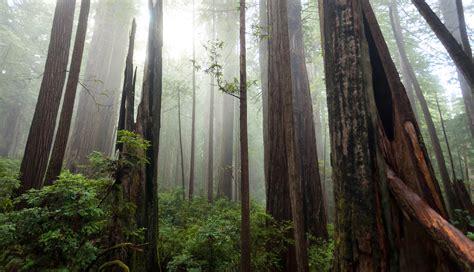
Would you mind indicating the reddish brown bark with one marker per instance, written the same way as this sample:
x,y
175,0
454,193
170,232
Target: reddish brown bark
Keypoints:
x,y
40,137
62,134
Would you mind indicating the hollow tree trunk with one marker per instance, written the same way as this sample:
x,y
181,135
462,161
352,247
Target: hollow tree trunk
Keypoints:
x,y
40,137
62,133
372,126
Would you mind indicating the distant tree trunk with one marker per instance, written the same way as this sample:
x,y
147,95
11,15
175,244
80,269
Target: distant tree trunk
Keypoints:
x,y
396,26
96,115
281,106
245,259
440,160
151,107
40,137
193,117
313,205
263,61
225,184
210,152
462,61
9,131
62,134
453,14
183,187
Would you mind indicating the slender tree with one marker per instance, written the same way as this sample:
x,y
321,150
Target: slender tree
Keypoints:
x,y
245,260
40,137
461,59
413,81
181,144
210,150
193,117
453,13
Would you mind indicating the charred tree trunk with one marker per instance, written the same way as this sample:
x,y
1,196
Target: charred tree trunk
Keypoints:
x,y
62,134
40,137
462,61
443,170
245,259
151,113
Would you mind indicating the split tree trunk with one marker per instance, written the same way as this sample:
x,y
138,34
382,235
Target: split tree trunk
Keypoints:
x,y
40,137
151,114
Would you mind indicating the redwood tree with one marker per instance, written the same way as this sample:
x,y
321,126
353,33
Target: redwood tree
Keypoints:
x,y
40,137
245,261
62,134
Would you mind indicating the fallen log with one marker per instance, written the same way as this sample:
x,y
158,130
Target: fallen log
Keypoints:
x,y
445,235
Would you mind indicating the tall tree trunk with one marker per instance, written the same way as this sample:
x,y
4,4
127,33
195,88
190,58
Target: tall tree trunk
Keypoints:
x,y
462,61
151,107
396,26
225,184
452,11
282,96
440,160
100,95
9,131
40,137
62,134
263,61
245,259
313,205
193,117
183,187
210,150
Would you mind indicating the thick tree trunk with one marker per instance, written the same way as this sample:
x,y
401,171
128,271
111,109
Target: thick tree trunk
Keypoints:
x,y
245,261
452,11
372,125
313,205
62,134
151,107
443,170
282,127
40,137
462,61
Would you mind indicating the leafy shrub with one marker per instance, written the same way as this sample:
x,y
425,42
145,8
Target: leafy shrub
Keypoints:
x,y
57,227
9,182
321,252
197,236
